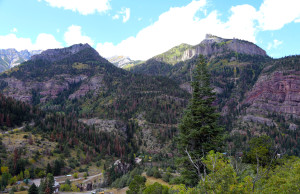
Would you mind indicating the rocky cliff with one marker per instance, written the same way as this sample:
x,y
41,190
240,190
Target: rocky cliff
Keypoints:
x,y
210,46
276,92
213,45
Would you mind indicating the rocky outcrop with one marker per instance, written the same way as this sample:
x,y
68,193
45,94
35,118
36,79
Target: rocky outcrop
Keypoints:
x,y
258,119
51,88
105,125
213,45
210,46
93,84
277,93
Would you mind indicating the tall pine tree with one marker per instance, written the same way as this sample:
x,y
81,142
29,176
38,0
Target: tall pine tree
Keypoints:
x,y
199,131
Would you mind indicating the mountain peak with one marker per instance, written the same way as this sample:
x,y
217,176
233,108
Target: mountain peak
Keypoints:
x,y
54,55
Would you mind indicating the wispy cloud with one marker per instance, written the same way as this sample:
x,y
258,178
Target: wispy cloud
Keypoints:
x,y
274,44
125,13
14,30
84,7
115,17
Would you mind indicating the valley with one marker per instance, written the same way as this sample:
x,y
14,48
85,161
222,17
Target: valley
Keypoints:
x,y
70,111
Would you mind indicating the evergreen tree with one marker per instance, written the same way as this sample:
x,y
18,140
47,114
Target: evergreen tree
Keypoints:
x,y
49,169
46,185
33,189
199,131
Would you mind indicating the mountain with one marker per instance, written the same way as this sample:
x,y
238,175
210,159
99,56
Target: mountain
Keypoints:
x,y
255,93
78,80
210,46
123,62
11,57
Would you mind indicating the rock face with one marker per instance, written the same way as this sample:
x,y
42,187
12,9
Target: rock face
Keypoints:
x,y
215,45
46,89
277,93
211,45
105,125
11,57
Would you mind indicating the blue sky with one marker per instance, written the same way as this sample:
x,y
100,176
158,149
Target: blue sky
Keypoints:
x,y
141,29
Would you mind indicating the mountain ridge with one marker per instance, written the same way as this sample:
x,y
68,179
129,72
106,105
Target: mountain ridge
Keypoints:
x,y
211,45
11,57
55,55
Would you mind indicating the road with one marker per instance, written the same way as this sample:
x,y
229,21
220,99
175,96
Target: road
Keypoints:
x,y
89,178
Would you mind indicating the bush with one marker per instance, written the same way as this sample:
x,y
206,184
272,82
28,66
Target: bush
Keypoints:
x,y
74,188
149,172
177,181
156,173
65,187
156,188
81,170
22,188
137,185
98,164
167,176
68,182
72,165
75,175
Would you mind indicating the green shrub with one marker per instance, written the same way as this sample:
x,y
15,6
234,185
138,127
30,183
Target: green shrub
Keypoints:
x,y
149,172
156,188
65,187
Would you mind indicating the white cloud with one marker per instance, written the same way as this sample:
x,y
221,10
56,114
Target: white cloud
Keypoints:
x,y
241,23
274,44
84,7
43,41
115,17
74,36
297,20
274,14
46,41
179,25
125,13
14,30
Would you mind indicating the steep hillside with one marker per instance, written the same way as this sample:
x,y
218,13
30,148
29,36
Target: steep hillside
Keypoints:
x,y
14,113
34,142
173,55
11,57
254,92
77,80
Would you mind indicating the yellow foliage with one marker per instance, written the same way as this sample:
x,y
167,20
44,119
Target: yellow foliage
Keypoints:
x,y
80,66
4,169
74,188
